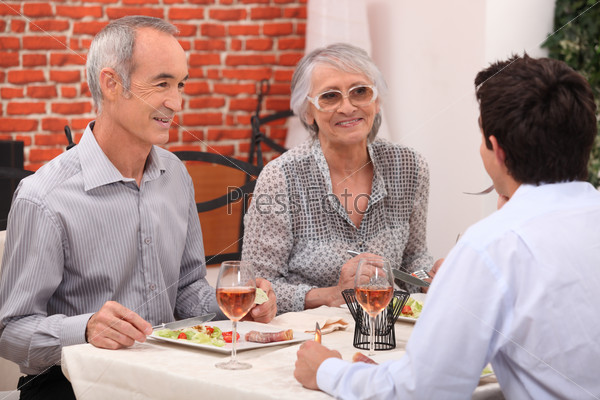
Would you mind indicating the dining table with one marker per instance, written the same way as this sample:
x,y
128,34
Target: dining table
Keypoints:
x,y
157,369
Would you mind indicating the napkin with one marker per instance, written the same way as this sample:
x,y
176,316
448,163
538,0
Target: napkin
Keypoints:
x,y
331,325
329,320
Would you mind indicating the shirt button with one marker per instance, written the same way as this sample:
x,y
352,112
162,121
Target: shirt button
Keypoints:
x,y
148,240
152,286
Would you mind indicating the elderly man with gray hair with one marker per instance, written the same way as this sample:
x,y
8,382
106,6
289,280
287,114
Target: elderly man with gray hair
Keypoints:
x,y
104,241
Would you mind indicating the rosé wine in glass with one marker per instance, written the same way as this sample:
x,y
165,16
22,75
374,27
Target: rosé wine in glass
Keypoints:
x,y
374,299
236,291
236,302
373,289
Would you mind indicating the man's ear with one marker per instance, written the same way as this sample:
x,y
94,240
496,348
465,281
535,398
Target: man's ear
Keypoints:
x,y
498,151
110,83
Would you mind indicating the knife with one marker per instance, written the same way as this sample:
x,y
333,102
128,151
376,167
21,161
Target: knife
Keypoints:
x,y
402,276
317,333
408,278
184,323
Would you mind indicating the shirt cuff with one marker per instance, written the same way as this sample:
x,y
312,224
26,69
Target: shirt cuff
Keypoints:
x,y
299,299
73,329
211,307
329,373
214,307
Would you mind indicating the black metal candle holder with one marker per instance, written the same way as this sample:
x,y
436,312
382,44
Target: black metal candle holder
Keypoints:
x,y
385,335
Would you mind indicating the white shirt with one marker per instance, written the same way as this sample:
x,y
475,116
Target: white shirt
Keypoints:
x,y
521,290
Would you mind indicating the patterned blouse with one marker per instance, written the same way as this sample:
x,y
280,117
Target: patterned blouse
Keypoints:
x,y
297,232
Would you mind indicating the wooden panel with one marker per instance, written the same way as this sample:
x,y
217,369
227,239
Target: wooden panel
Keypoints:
x,y
220,227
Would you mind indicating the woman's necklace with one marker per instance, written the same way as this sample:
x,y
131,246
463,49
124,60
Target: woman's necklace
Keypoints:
x,y
349,173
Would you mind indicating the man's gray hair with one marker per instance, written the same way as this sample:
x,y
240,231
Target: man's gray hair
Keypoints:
x,y
113,47
344,57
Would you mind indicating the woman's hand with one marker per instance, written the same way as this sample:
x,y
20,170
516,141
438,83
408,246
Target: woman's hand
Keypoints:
x,y
347,274
348,271
432,272
332,296
266,311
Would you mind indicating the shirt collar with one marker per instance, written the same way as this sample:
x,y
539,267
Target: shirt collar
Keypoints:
x,y
317,153
525,189
378,190
154,166
98,170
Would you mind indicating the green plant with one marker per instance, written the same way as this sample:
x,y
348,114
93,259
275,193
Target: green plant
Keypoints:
x,y
577,42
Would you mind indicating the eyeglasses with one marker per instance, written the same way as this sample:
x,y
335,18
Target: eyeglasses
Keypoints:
x,y
331,100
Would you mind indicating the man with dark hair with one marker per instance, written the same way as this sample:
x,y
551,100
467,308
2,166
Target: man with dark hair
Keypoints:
x,y
104,241
547,131
520,289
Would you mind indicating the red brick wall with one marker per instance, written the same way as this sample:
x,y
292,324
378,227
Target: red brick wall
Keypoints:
x,y
231,45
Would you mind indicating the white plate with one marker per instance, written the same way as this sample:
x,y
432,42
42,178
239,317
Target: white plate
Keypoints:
x,y
407,319
422,297
242,328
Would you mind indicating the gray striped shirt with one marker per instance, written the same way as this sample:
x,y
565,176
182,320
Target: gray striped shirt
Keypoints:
x,y
80,234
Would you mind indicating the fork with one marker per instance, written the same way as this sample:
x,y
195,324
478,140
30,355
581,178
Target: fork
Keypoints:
x,y
421,274
484,191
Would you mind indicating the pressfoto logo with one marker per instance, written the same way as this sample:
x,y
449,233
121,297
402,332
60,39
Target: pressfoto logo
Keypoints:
x,y
284,203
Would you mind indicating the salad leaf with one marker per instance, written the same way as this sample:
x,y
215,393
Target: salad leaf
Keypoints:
x,y
167,333
416,307
197,334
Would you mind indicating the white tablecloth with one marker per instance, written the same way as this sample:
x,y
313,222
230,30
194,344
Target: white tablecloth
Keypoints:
x,y
158,370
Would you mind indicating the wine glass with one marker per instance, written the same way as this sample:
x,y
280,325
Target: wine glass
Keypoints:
x,y
236,290
373,288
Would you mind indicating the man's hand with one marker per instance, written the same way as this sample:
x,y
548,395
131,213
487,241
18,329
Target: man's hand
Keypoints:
x,y
115,326
310,357
266,311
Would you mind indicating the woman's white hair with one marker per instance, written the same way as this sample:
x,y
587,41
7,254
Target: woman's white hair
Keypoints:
x,y
344,57
113,47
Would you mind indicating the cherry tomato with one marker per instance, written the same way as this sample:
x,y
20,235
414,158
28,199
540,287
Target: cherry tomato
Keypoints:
x,y
209,330
182,336
407,310
227,336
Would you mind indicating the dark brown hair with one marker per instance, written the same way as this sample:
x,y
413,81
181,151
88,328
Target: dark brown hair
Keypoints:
x,y
542,113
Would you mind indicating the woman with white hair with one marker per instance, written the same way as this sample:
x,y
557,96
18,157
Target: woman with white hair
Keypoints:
x,y
341,190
